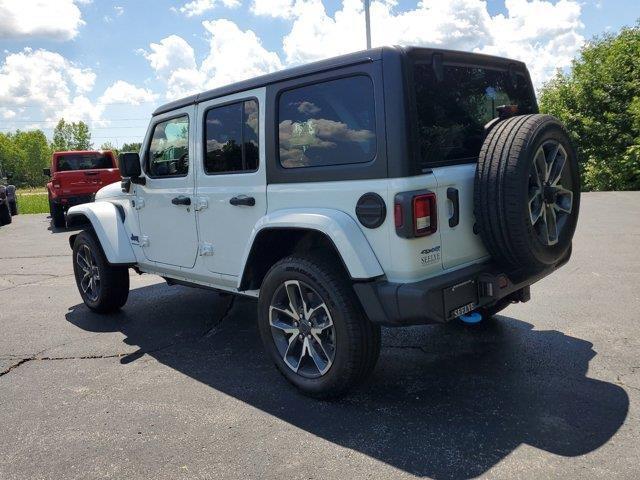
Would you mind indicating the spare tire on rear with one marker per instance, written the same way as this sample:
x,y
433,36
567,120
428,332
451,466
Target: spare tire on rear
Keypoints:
x,y
527,192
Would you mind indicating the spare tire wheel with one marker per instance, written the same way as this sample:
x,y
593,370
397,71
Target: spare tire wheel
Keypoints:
x,y
527,192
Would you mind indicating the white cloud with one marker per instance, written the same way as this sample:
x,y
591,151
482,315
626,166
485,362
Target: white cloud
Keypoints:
x,y
198,7
273,8
542,33
124,92
58,20
43,86
233,55
119,10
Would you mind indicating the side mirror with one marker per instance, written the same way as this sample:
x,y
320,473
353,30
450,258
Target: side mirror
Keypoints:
x,y
129,164
46,172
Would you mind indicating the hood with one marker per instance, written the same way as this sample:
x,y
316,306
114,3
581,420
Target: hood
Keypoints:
x,y
110,191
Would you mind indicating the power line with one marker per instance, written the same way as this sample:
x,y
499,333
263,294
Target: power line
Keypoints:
x,y
35,105
56,121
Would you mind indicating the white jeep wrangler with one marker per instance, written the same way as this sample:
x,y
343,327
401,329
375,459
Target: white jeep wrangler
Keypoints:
x,y
395,186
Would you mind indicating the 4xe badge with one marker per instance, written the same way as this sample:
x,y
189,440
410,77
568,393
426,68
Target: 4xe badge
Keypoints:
x,y
429,256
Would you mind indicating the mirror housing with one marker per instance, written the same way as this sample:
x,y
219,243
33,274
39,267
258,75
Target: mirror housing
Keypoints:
x,y
130,170
129,165
46,172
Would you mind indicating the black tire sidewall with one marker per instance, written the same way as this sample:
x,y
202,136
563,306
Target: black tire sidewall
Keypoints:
x,y
280,273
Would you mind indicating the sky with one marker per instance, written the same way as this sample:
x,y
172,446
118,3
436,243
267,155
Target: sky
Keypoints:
x,y
111,63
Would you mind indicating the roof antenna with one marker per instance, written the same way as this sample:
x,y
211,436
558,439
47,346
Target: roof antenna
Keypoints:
x,y
367,21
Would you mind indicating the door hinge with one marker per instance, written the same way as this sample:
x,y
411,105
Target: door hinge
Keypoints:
x,y
138,203
206,249
144,241
200,204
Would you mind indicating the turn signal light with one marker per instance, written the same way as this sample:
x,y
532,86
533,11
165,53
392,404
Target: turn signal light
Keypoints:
x,y
425,221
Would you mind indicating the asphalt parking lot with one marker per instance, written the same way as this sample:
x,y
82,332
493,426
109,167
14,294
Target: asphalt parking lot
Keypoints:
x,y
168,388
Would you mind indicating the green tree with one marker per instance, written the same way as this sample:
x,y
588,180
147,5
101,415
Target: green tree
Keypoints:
x,y
131,147
599,102
71,136
109,146
25,154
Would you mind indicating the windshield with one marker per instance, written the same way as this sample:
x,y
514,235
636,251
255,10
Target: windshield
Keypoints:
x,y
454,105
84,161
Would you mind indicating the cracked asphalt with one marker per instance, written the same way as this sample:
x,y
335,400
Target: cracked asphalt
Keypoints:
x,y
174,387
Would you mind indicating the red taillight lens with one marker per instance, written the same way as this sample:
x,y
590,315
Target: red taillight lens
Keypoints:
x,y
397,215
424,214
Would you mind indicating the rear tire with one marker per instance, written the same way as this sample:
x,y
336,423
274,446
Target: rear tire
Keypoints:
x,y
104,288
57,215
5,214
327,352
13,207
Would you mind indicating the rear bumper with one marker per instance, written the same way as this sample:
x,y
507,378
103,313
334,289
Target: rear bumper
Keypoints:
x,y
70,201
440,299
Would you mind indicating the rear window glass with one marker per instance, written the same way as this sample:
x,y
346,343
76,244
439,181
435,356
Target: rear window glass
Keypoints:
x,y
85,161
327,123
454,106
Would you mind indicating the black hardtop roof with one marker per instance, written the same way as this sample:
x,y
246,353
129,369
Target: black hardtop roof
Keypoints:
x,y
333,63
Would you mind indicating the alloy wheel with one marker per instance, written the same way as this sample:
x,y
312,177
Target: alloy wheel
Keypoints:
x,y
90,280
550,198
302,329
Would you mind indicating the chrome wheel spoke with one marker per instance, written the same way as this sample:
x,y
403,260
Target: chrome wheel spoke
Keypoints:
x,y
557,167
551,226
320,357
295,296
295,351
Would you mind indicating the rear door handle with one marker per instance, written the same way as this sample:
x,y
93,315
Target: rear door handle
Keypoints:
x,y
452,194
243,200
181,200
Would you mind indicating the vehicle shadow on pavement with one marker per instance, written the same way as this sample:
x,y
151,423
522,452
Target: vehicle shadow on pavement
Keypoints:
x,y
446,401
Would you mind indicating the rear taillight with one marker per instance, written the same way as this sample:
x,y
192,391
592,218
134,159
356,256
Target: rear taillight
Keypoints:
x,y
397,215
425,220
415,213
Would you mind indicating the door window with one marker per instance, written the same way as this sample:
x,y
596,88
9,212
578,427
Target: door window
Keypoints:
x,y
327,123
231,138
169,150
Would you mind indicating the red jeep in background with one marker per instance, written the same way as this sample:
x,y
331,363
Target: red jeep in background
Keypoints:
x,y
75,178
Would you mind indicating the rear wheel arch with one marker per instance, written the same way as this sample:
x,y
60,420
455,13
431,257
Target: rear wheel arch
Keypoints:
x,y
273,244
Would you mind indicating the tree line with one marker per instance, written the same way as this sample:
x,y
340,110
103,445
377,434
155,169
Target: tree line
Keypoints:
x,y
26,153
598,100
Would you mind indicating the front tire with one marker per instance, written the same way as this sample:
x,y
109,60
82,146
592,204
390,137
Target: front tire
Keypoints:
x,y
13,207
313,327
104,288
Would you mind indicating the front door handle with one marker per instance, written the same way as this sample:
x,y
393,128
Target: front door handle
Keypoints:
x,y
181,200
453,196
243,200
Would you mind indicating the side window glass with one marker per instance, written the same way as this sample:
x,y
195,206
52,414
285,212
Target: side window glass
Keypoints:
x,y
169,150
327,123
231,138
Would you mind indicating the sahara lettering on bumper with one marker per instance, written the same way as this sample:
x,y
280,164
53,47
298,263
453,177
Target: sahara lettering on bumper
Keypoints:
x,y
440,299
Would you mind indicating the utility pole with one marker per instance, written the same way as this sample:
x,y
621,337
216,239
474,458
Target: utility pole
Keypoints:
x,y
367,20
